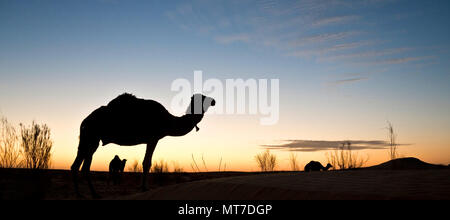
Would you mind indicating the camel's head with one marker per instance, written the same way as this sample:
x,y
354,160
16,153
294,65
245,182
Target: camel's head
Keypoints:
x,y
328,166
122,166
200,104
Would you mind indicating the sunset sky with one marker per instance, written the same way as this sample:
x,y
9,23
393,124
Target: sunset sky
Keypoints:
x,y
345,68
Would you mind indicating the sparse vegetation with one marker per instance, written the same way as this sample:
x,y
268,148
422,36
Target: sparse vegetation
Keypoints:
x,y
266,161
343,158
30,149
36,146
204,164
9,151
177,168
220,164
293,162
194,165
135,167
195,168
392,141
160,167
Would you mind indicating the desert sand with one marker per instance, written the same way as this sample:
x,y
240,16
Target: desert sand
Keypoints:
x,y
406,178
356,184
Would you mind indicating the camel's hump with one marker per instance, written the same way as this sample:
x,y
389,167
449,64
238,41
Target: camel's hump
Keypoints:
x,y
123,99
130,103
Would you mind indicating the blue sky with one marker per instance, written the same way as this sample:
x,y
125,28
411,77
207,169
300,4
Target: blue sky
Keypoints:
x,y
357,61
337,39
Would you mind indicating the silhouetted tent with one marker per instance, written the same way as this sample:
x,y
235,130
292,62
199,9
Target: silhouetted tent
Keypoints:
x,y
409,163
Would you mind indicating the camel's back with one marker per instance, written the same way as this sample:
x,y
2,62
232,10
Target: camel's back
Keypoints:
x,y
313,166
129,103
128,120
128,106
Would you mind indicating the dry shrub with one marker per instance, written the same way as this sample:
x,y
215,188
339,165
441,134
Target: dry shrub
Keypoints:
x,y
135,167
392,141
9,150
36,146
160,167
266,161
177,168
293,162
343,158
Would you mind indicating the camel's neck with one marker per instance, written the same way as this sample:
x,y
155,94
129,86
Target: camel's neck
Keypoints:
x,y
184,124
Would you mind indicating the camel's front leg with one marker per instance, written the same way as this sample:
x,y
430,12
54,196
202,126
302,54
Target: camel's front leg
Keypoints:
x,y
147,163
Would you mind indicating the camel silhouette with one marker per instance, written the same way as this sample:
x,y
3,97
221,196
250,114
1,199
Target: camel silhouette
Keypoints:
x,y
128,121
316,166
116,166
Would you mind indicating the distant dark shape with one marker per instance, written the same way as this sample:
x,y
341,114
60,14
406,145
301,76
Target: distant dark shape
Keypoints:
x,y
316,166
407,163
129,121
116,166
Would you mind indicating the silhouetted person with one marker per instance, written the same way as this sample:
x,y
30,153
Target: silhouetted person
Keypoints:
x,y
128,121
316,166
116,166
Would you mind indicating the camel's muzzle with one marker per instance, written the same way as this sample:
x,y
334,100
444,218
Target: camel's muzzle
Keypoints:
x,y
213,102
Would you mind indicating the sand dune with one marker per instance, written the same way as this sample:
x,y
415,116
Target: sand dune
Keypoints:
x,y
408,163
356,184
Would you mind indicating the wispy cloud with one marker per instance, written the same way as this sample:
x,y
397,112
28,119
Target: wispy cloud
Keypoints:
x,y
268,4
233,38
365,54
334,20
350,80
322,30
329,49
399,60
324,37
322,145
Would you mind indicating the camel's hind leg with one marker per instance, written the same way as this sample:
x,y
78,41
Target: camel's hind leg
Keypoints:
x,y
86,149
75,167
86,172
